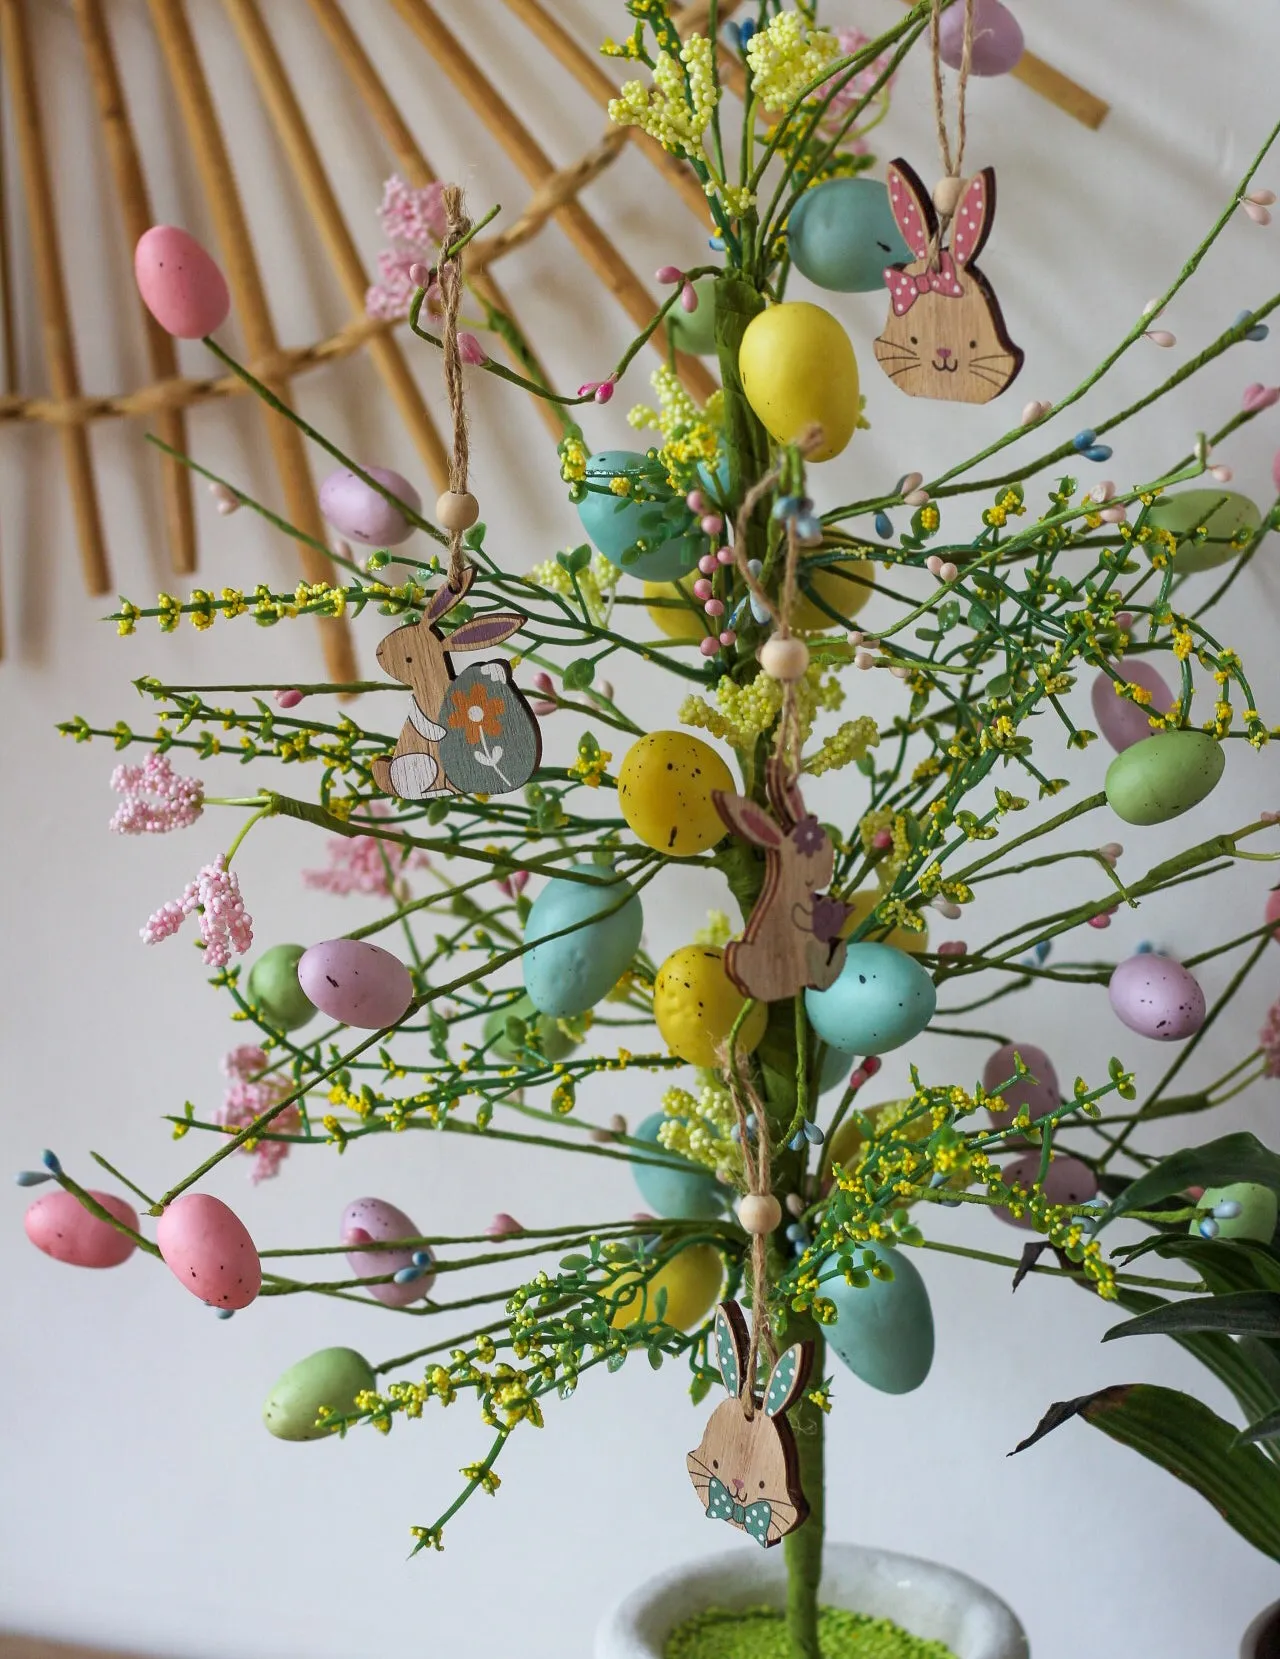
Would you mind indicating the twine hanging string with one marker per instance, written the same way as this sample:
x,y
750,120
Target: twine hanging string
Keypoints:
x,y
757,1171
449,276
951,162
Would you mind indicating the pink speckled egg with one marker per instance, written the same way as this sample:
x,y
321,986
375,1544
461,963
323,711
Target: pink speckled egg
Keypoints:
x,y
360,514
1157,997
60,1225
1121,722
181,286
357,983
373,1220
1272,912
1067,1181
207,1248
1044,1095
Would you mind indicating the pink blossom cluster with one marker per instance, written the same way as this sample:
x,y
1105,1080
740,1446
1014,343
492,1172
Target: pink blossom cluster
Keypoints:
x,y
365,864
856,89
156,799
225,925
248,1096
413,222
1269,1038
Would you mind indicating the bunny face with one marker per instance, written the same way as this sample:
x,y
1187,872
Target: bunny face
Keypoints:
x,y
411,653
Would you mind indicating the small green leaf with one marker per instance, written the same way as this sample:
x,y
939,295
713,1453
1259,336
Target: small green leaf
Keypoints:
x,y
655,1358
1237,1313
1266,1428
660,1304
1231,1158
575,560
579,674
575,1263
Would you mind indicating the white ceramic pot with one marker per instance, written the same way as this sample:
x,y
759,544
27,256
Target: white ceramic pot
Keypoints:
x,y
926,1599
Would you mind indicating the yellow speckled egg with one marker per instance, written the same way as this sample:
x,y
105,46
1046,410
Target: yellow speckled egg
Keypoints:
x,y
901,938
673,617
846,587
798,370
695,1004
692,1282
664,791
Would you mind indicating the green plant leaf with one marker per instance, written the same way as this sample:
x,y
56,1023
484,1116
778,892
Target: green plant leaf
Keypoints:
x,y
1266,1428
579,674
1246,1366
1190,1441
1239,1157
577,559
1235,1313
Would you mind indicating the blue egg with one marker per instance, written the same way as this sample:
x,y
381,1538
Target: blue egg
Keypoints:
x,y
836,1066
696,1196
884,1332
882,999
570,974
843,234
616,523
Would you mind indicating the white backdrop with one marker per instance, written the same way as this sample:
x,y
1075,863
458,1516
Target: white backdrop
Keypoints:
x,y
146,1505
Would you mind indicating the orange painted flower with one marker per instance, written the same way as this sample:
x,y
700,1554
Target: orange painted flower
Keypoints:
x,y
475,712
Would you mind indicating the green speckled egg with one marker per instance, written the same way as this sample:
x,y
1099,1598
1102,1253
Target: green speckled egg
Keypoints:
x,y
600,926
330,1377
883,1332
1164,776
1258,1210
551,1040
273,988
695,331
1210,526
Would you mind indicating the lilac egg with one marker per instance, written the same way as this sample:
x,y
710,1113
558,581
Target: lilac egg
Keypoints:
x,y
997,38
208,1250
373,1219
357,983
359,513
181,286
1157,997
1039,1097
1121,722
1067,1181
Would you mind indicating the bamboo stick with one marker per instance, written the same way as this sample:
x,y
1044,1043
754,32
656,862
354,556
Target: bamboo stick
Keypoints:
x,y
413,165
524,150
308,169
214,165
135,207
59,343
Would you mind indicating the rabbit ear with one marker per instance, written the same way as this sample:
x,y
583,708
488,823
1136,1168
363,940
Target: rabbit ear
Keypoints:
x,y
912,209
746,819
787,1379
447,596
784,794
732,1346
972,223
484,630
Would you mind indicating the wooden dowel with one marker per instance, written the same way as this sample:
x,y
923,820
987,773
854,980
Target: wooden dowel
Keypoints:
x,y
527,154
413,165
8,332
59,343
214,166
135,207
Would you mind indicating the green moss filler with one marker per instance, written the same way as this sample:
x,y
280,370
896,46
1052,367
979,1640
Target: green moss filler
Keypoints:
x,y
761,1633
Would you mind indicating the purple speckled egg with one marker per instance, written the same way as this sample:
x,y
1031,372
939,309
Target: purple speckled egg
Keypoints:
x,y
357,983
181,286
1157,997
1044,1095
60,1225
360,514
1121,722
374,1220
997,38
1067,1181
207,1248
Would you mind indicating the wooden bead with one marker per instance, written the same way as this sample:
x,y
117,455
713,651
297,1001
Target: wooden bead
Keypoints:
x,y
457,510
785,659
759,1212
946,196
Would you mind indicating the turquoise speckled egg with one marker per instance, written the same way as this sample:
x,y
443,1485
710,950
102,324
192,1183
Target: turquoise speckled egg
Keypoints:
x,y
1164,776
884,1332
616,523
882,999
570,974
1258,1210
695,1196
836,1067
695,331
1210,526
330,1377
843,234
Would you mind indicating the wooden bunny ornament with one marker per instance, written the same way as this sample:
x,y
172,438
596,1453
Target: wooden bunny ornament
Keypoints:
x,y
792,937
470,733
746,1471
945,336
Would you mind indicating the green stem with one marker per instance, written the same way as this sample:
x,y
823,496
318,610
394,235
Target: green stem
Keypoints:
x,y
802,1548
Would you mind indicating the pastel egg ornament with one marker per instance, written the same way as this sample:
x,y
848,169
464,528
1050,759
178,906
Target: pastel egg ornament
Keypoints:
x,y
695,1004
356,983
695,331
691,1280
691,1194
881,1000
1249,1211
883,1330
667,534
274,989
1209,527
180,284
842,234
1271,912
798,370
1157,998
1066,1181
375,1221
207,1248
1122,722
59,1224
997,38
598,923
1039,1094
330,1380
861,904
1164,776
846,586
673,610
665,785
543,1031
362,514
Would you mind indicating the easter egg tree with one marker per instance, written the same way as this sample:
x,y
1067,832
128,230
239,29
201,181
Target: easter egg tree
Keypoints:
x,y
994,592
